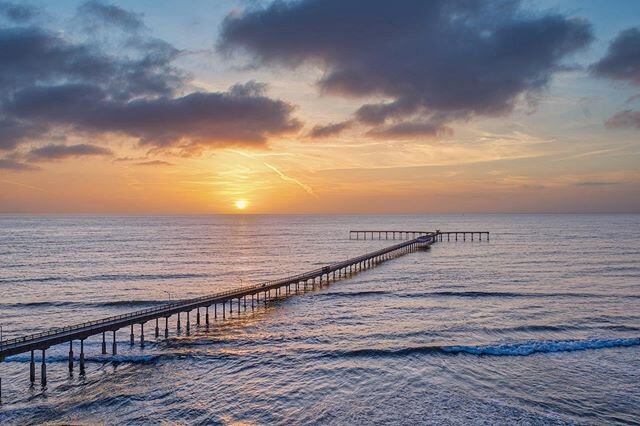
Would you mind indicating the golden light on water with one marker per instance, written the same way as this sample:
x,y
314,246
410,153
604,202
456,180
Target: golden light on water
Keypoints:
x,y
241,204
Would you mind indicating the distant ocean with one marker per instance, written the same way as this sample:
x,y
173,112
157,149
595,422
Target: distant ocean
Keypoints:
x,y
540,325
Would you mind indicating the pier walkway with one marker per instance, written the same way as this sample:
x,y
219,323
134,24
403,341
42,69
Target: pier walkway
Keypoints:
x,y
269,289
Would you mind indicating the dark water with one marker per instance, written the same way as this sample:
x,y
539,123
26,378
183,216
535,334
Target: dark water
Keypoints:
x,y
541,325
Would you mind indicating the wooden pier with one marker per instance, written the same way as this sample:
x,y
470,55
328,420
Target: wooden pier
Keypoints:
x,y
218,301
387,235
407,235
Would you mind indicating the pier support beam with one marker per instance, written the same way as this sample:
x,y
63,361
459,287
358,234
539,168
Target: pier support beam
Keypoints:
x,y
206,317
70,356
188,324
82,371
114,345
198,316
32,369
132,337
43,369
157,329
166,327
104,343
142,335
224,309
179,326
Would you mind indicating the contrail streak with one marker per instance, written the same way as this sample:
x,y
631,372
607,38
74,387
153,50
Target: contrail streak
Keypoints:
x,y
22,185
286,178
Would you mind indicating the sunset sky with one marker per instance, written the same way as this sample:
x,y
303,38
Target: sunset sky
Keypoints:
x,y
314,106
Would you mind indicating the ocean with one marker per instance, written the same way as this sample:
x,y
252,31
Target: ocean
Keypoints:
x,y
539,325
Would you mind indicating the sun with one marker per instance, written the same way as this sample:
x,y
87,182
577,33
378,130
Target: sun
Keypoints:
x,y
241,204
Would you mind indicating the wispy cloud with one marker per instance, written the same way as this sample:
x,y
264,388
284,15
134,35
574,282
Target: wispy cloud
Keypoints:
x,y
22,185
154,163
286,178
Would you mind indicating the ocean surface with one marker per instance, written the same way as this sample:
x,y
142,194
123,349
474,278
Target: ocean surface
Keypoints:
x,y
540,325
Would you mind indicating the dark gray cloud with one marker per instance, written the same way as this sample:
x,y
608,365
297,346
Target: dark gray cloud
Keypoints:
x,y
410,130
13,131
93,11
239,116
622,60
624,119
17,12
30,55
16,166
59,152
331,129
48,82
454,59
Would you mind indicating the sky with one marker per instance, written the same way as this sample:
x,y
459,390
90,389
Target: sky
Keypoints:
x,y
320,106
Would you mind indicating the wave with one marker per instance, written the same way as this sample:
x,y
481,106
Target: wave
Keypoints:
x,y
356,293
82,304
506,349
479,294
106,277
132,359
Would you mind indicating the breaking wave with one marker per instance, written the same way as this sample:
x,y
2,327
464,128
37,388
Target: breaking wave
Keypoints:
x,y
506,349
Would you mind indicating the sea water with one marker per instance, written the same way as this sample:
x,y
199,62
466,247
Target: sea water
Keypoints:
x,y
539,325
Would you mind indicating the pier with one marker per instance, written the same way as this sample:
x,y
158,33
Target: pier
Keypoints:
x,y
407,235
218,302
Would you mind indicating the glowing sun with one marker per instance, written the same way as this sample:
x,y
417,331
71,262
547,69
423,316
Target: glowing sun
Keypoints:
x,y
241,204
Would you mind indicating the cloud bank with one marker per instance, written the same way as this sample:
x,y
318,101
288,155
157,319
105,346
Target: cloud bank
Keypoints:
x,y
434,61
50,82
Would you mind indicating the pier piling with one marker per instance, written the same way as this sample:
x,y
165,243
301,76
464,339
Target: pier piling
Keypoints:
x,y
82,370
32,369
43,369
70,356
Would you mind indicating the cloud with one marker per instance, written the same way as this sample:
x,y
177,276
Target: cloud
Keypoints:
x,y
8,164
154,163
13,131
439,59
410,130
331,129
596,183
622,60
17,12
51,82
238,116
110,14
59,152
624,119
